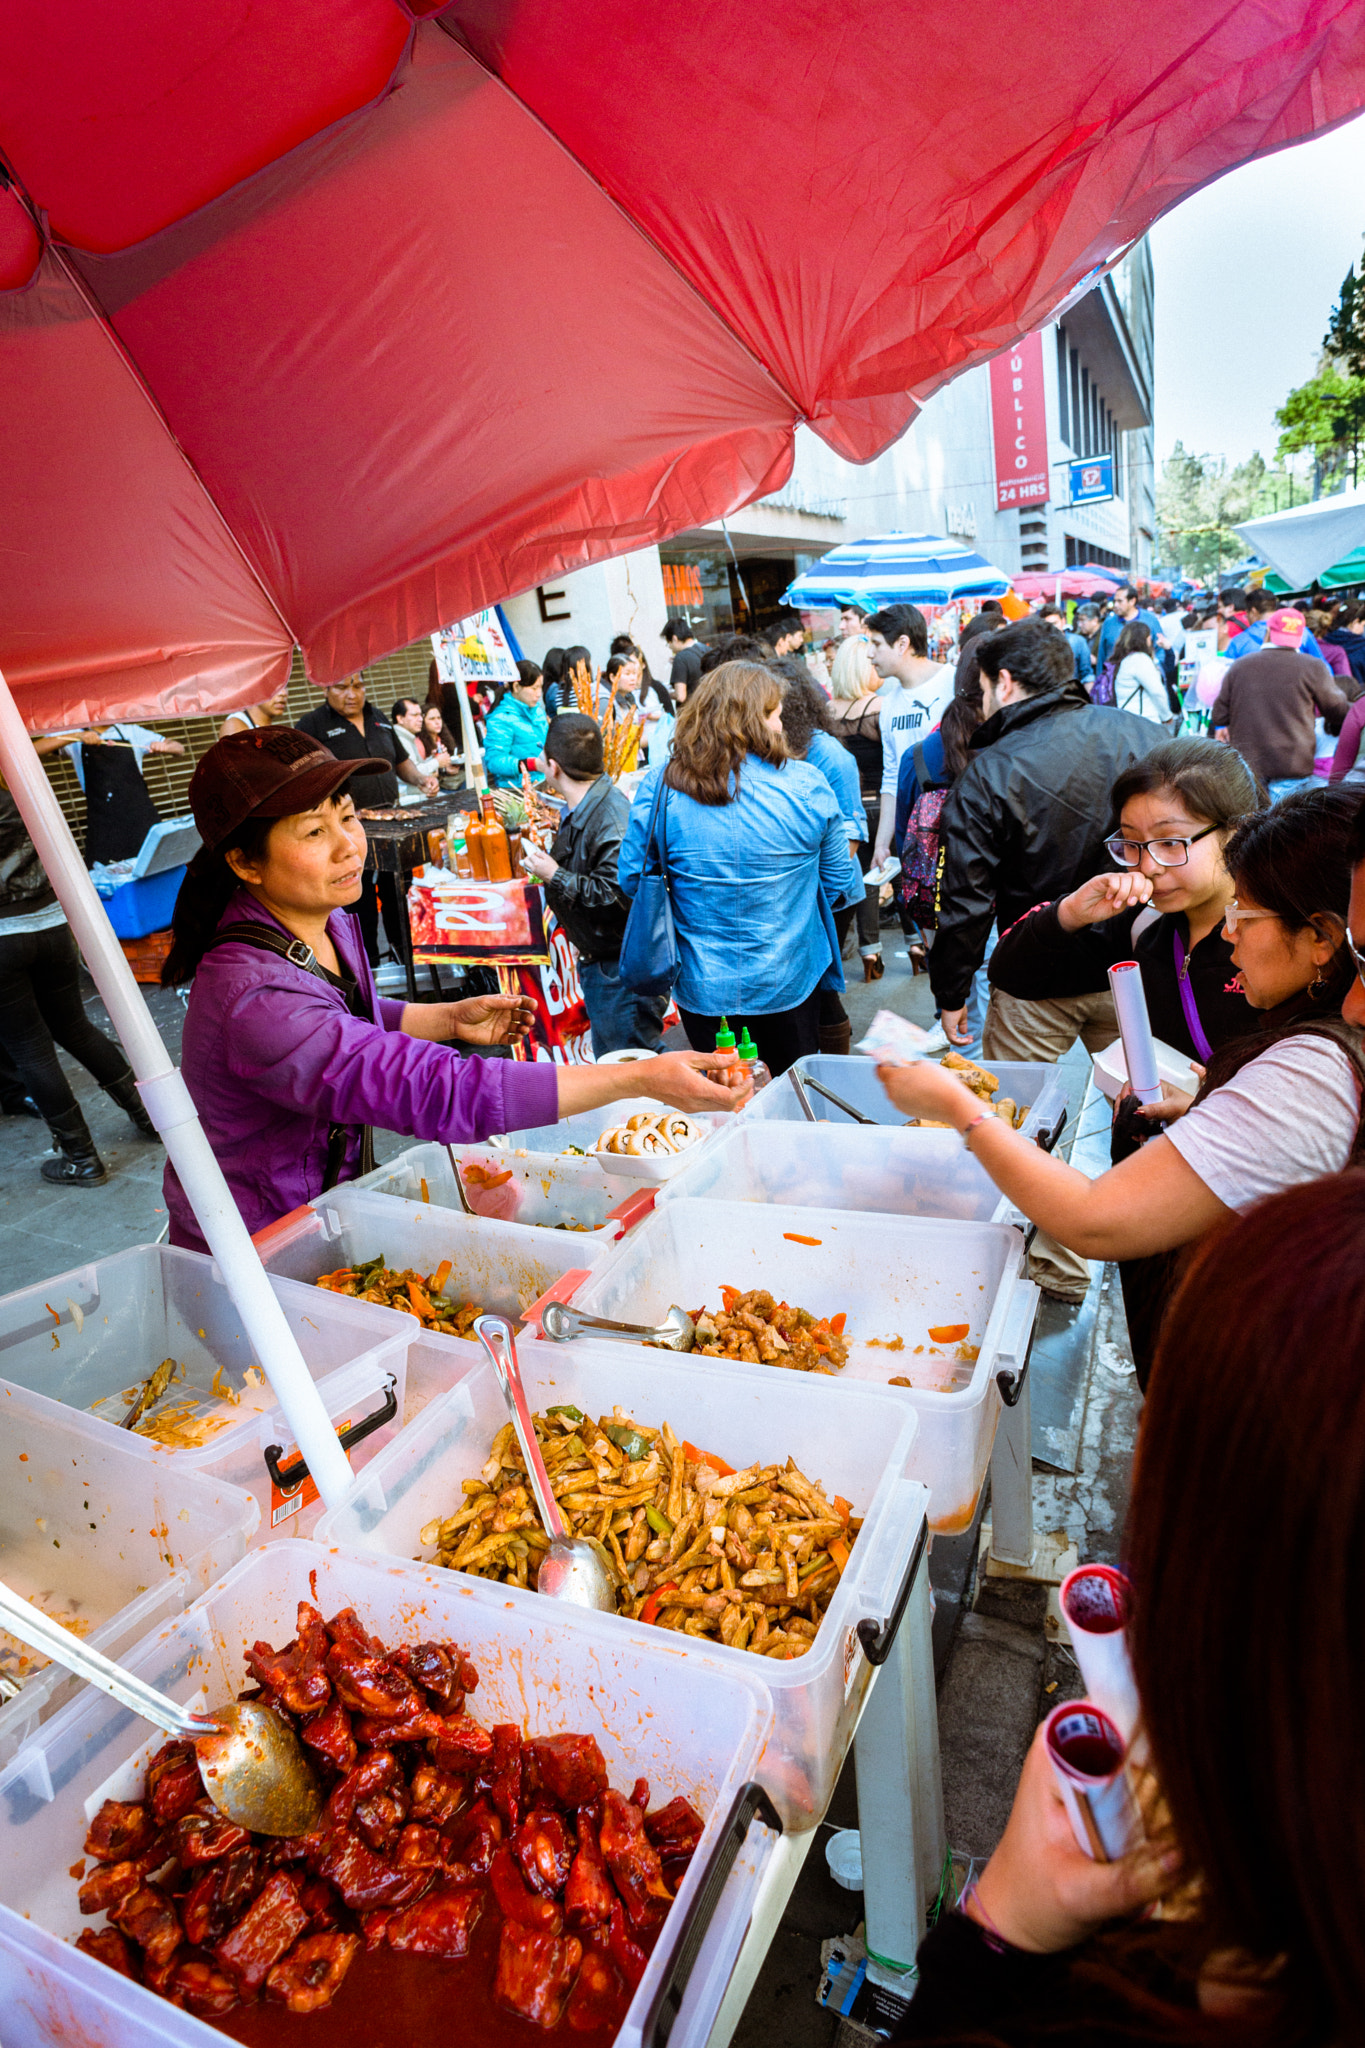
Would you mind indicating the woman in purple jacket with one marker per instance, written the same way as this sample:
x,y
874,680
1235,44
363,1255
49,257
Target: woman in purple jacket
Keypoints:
x,y
287,1050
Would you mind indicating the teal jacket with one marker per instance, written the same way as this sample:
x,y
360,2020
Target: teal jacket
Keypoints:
x,y
515,733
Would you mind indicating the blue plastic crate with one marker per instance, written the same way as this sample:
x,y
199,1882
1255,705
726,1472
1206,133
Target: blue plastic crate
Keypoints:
x,y
141,907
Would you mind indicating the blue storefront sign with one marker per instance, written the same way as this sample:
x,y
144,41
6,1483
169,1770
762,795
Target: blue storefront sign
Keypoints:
x,y
1092,478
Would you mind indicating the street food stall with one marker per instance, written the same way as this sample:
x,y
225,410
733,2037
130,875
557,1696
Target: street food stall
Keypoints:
x,y
270,382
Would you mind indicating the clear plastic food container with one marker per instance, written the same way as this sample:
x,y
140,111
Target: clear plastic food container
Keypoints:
x,y
843,1166
104,1532
541,1188
503,1267
689,1725
89,1336
854,1077
856,1440
895,1278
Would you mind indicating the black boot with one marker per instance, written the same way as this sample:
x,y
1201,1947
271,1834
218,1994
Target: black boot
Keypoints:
x,y
124,1093
20,1105
80,1164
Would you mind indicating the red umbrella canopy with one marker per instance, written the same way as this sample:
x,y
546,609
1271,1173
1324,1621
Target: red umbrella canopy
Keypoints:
x,y
323,322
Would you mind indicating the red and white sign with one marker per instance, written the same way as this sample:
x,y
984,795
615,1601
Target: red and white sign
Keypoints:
x,y
1019,425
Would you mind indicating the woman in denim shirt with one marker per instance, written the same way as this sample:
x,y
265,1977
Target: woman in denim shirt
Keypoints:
x,y
756,852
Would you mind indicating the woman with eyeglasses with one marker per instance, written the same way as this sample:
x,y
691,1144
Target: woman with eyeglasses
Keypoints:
x,y
1162,904
1276,1108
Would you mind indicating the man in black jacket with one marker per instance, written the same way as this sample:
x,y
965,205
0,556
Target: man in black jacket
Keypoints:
x,y
1026,823
579,873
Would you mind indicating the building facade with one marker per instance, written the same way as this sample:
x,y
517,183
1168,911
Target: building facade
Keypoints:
x,y
1095,366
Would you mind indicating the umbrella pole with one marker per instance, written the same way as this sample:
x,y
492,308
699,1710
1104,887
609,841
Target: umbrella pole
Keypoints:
x,y
168,1101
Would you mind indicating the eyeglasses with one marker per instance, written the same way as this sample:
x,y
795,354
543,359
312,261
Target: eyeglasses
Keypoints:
x,y
1233,916
1355,953
1166,853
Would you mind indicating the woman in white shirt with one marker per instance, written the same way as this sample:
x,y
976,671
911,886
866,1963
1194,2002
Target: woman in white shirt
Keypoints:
x,y
1275,1109
1139,686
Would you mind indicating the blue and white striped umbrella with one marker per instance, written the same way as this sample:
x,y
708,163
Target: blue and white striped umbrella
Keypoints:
x,y
897,568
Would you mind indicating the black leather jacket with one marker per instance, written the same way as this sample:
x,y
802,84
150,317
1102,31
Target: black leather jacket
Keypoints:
x,y
24,886
585,895
1027,821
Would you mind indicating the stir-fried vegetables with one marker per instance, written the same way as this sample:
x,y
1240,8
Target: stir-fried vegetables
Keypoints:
x,y
762,1331
750,1558
418,1294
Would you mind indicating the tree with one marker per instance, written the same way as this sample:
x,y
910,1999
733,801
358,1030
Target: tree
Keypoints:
x,y
1344,340
1199,499
1326,415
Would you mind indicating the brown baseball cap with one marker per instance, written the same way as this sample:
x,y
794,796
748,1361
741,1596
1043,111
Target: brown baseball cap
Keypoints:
x,y
270,773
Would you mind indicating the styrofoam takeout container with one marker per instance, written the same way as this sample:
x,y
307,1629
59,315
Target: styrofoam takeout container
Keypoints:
x,y
102,1526
1111,1069
117,1318
545,1189
691,1727
894,1277
856,1440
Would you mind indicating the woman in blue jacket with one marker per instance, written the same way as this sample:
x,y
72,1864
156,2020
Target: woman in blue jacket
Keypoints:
x,y
755,849
517,726
805,727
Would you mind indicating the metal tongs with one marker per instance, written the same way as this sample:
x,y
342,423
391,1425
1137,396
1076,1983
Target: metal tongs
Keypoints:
x,y
677,1331
465,1202
800,1082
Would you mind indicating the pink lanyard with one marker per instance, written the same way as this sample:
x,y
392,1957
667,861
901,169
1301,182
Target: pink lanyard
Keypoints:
x,y
1187,1002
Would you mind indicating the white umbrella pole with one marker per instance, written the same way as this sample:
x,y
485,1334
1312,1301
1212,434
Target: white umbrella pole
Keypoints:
x,y
162,1088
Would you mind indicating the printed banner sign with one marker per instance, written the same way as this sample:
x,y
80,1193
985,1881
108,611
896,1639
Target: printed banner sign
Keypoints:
x,y
475,924
1019,425
474,650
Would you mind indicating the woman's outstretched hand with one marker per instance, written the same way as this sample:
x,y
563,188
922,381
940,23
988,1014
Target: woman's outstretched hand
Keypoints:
x,y
684,1080
922,1088
1041,1892
1103,897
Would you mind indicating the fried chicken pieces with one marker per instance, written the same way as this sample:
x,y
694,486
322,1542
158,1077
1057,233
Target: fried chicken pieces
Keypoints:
x,y
431,1821
755,1327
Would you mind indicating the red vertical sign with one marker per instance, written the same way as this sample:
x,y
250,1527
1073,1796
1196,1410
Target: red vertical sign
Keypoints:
x,y
1019,424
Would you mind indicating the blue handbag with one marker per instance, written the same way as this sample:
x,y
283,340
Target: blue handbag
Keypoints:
x,y
649,945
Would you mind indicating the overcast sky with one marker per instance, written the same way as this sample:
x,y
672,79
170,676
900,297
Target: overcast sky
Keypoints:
x,y
1247,272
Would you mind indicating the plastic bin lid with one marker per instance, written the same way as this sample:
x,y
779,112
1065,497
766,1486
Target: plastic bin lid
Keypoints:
x,y
169,844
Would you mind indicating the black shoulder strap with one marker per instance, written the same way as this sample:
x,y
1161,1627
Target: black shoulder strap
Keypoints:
x,y
260,935
298,954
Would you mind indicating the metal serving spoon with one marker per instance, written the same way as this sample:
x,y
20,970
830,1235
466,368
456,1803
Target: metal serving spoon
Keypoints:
x,y
575,1568
252,1764
677,1331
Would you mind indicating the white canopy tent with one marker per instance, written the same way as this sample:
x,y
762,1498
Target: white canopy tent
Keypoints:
x,y
1300,544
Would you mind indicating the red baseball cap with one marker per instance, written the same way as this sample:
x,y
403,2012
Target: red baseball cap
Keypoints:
x,y
1285,628
270,773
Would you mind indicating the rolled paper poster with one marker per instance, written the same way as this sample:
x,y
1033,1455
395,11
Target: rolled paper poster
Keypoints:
x,y
1135,1029
1085,1750
1097,1601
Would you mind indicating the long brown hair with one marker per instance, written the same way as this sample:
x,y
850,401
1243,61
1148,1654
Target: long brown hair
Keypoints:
x,y
1247,1520
722,722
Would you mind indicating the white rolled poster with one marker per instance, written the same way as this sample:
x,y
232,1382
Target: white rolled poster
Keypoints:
x,y
1135,1029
